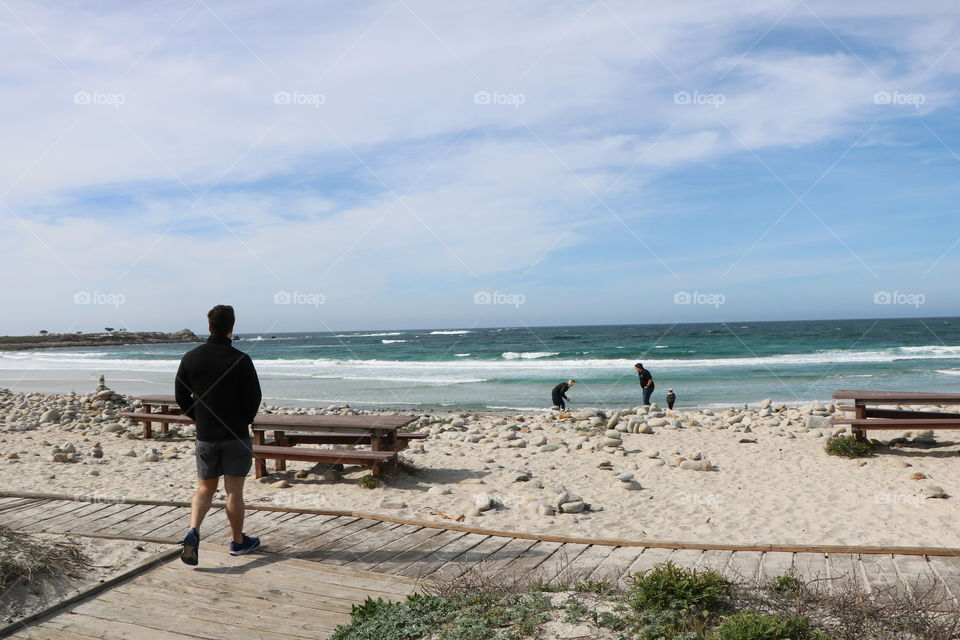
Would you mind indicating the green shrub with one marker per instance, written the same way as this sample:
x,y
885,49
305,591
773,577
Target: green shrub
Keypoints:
x,y
786,584
668,587
368,482
758,626
847,447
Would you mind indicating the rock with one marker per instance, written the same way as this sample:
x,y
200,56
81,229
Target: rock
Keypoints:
x,y
301,474
332,475
746,441
105,394
934,492
483,501
458,422
130,453
280,484
153,457
545,510
816,422
696,465
626,476
520,476
62,457
645,428
652,453
439,491
657,422
50,415
585,414
97,452
612,442
630,485
67,448
765,403
12,456
613,433
112,428
392,503
538,440
547,448
572,507
918,476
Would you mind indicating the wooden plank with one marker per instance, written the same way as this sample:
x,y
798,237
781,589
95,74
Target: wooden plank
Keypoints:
x,y
291,539
317,547
357,551
580,569
179,515
40,511
240,616
555,569
921,579
373,558
462,546
687,558
343,547
46,633
646,560
417,552
190,615
774,564
614,565
880,573
106,628
948,570
744,567
61,517
134,527
107,524
493,563
811,567
534,558
713,560
844,572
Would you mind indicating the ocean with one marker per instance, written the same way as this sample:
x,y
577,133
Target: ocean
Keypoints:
x,y
707,365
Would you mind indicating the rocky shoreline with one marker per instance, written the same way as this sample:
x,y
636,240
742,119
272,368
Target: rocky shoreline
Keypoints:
x,y
111,338
748,474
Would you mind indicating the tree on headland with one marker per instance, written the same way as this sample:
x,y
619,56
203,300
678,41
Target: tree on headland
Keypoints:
x,y
43,332
108,329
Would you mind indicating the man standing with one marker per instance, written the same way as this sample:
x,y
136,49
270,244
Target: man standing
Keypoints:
x,y
217,387
559,394
646,382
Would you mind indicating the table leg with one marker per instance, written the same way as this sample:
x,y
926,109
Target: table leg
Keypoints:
x,y
860,412
281,438
259,464
164,425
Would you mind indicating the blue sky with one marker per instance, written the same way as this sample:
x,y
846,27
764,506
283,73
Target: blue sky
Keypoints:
x,y
379,164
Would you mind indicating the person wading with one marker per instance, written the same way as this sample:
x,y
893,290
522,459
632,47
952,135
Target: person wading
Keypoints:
x,y
217,386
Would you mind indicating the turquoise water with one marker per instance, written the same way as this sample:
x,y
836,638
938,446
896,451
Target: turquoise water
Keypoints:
x,y
712,364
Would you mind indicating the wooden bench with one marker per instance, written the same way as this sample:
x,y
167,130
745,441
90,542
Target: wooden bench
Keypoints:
x,y
872,417
333,437
372,459
163,419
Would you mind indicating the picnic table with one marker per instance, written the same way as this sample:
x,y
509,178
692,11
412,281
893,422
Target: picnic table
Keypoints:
x,y
378,432
867,415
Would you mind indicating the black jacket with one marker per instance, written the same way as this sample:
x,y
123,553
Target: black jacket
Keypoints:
x,y
561,390
217,386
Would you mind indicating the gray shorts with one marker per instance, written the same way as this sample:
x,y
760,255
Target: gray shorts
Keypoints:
x,y
224,458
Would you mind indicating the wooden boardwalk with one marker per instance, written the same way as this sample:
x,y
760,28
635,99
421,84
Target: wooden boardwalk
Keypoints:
x,y
388,556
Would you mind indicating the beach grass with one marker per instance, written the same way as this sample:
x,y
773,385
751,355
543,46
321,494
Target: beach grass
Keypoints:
x,y
24,558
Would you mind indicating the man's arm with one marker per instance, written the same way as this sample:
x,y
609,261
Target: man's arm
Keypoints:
x,y
249,388
183,392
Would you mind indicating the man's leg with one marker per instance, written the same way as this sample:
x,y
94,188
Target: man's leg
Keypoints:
x,y
202,499
233,485
647,392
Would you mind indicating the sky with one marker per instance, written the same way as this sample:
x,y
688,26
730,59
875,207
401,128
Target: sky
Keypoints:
x,y
430,164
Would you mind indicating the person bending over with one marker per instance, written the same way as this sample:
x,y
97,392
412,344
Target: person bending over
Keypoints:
x,y
646,382
217,386
559,394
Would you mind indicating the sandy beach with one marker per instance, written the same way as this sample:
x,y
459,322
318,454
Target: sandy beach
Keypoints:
x,y
744,475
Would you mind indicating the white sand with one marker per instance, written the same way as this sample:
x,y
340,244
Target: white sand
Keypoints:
x,y
782,489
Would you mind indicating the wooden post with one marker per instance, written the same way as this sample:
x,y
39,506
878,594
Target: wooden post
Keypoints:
x,y
281,438
259,464
860,413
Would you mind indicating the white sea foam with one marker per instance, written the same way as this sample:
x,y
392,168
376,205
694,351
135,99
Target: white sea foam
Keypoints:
x,y
528,355
949,372
368,335
450,333
392,341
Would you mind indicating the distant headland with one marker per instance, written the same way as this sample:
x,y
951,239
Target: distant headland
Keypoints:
x,y
110,337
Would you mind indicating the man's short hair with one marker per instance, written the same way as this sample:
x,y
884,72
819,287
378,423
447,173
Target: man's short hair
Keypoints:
x,y
221,320
571,381
638,366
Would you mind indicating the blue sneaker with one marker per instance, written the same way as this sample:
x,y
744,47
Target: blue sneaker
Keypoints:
x,y
248,545
191,548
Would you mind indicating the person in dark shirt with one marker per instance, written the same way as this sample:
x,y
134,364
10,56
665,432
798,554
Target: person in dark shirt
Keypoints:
x,y
646,382
671,398
217,386
559,393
